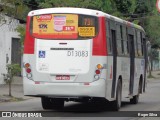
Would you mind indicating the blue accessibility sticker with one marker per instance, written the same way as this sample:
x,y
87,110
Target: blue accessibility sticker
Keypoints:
x,y
42,54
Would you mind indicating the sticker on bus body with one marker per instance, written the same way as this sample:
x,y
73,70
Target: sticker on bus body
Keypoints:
x,y
86,31
42,54
59,22
43,67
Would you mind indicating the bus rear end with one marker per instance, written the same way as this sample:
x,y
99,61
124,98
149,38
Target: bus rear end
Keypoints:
x,y
64,57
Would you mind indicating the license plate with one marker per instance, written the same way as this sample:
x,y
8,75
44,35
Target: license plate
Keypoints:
x,y
62,77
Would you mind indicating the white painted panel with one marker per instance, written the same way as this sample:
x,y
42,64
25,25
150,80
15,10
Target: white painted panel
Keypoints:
x,y
50,59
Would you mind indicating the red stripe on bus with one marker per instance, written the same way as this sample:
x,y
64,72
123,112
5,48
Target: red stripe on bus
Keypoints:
x,y
29,40
99,42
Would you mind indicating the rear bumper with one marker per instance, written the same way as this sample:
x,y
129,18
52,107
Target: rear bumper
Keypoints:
x,y
94,89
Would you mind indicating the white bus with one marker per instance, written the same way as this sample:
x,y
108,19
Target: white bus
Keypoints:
x,y
77,54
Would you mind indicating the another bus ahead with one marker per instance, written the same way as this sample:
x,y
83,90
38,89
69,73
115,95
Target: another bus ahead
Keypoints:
x,y
76,54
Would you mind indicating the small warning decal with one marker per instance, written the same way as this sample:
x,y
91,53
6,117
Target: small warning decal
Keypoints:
x,y
42,54
43,67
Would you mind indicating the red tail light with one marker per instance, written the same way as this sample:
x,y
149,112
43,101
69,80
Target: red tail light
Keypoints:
x,y
98,71
28,70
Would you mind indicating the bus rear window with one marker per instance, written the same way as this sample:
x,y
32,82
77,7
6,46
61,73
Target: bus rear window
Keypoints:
x,y
64,26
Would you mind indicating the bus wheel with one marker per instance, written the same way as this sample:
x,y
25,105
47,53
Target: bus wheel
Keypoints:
x,y
46,103
57,103
135,98
117,103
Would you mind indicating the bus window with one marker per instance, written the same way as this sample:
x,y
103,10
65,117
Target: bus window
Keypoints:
x,y
64,26
142,46
122,39
136,44
125,42
139,47
119,39
108,37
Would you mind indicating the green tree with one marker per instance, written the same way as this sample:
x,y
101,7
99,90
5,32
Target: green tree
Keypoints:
x,y
152,29
92,4
107,6
21,30
145,7
123,5
12,70
153,56
32,4
14,8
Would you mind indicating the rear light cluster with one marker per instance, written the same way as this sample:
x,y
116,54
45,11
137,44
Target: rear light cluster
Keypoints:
x,y
98,70
28,70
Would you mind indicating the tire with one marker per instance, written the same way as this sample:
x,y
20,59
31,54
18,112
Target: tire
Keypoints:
x,y
117,103
135,98
57,103
46,103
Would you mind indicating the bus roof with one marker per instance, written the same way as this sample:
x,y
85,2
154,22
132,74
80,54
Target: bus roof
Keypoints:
x,y
82,11
67,10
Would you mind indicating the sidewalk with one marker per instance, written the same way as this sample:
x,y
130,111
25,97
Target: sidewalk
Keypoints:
x,y
155,74
17,91
17,88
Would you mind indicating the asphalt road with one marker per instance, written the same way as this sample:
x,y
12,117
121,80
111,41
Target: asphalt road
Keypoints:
x,y
149,101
